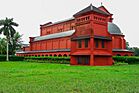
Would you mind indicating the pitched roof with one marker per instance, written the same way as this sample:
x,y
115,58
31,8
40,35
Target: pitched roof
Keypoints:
x,y
105,10
55,35
50,23
91,8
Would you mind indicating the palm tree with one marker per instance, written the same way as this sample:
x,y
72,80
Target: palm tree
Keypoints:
x,y
8,30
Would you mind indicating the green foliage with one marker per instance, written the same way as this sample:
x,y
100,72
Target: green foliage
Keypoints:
x,y
136,51
119,60
11,58
25,77
7,28
14,44
120,63
127,45
127,59
49,59
2,46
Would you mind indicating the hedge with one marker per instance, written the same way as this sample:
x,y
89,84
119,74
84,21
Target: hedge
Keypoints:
x,y
49,59
126,59
11,58
66,60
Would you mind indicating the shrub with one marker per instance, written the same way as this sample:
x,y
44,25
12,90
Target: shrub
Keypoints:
x,y
126,59
11,58
2,58
120,63
49,59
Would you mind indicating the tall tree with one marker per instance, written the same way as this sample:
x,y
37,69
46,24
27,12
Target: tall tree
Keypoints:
x,y
8,30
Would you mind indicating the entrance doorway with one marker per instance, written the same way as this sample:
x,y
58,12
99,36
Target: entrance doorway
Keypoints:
x,y
83,60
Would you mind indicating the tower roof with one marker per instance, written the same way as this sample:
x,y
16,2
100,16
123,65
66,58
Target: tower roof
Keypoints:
x,y
102,8
90,8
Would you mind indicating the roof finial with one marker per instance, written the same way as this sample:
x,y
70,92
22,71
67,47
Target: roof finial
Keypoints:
x,y
91,6
101,4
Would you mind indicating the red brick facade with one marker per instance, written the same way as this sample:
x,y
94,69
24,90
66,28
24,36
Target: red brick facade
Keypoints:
x,y
89,38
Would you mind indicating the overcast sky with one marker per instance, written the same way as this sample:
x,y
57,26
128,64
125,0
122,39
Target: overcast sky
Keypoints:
x,y
29,14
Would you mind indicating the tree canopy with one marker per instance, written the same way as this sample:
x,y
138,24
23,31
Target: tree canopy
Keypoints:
x,y
7,28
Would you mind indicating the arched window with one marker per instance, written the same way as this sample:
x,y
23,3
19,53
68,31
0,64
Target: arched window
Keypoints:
x,y
118,55
50,55
65,55
60,55
126,55
55,55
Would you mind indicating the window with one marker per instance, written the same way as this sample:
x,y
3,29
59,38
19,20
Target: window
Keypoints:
x,y
83,60
65,55
72,27
118,55
86,43
96,43
79,44
79,60
103,44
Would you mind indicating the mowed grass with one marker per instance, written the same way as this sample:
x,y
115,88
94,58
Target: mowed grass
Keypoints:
x,y
24,77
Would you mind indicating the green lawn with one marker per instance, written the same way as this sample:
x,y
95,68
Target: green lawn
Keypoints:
x,y
23,77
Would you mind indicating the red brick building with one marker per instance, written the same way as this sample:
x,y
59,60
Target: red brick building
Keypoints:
x,y
89,38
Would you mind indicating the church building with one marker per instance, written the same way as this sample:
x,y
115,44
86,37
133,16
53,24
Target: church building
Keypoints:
x,y
90,38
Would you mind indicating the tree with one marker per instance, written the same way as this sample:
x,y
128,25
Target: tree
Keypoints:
x,y
8,30
15,43
136,51
2,46
127,45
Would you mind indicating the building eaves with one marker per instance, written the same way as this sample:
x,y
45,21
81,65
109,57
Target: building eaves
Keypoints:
x,y
102,37
80,37
121,50
45,51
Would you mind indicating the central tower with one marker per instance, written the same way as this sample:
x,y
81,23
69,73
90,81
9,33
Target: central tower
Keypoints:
x,y
91,43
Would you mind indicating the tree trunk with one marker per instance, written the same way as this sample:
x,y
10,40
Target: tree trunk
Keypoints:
x,y
7,59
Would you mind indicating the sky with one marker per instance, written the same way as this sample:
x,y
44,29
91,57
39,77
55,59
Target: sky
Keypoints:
x,y
30,14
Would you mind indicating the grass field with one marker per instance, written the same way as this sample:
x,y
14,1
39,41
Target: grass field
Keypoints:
x,y
23,77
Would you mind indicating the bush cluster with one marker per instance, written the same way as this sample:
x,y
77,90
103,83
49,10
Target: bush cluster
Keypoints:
x,y
49,59
11,58
126,59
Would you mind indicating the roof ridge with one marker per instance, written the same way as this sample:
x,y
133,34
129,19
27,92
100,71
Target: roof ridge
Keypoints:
x,y
89,9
